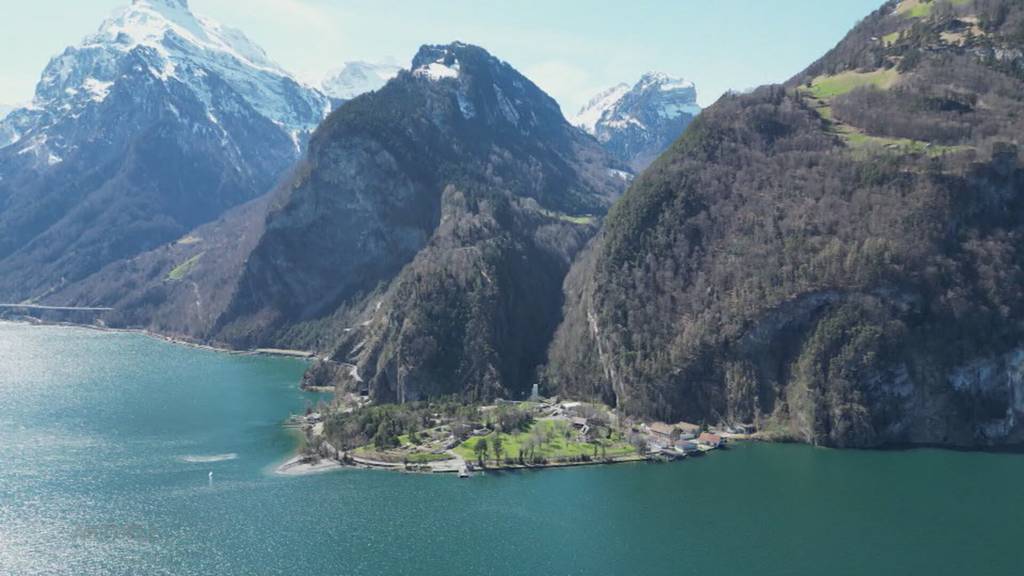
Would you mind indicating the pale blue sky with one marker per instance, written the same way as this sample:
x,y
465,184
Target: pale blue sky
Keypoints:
x,y
571,48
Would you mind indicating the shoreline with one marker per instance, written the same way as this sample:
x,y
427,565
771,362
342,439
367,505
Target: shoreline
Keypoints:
x,y
279,352
295,465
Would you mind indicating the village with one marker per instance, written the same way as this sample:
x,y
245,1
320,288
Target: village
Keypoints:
x,y
505,435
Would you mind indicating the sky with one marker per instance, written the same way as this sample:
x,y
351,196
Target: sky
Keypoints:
x,y
570,48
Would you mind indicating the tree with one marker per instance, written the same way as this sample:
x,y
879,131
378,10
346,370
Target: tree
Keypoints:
x,y
528,449
537,438
497,446
480,449
387,433
639,442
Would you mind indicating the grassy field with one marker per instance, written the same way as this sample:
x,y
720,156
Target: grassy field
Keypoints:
x,y
424,457
181,270
579,220
857,140
396,456
828,87
824,88
560,444
923,8
825,112
863,142
915,8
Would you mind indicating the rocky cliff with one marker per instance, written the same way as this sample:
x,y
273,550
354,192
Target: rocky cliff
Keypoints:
x,y
423,239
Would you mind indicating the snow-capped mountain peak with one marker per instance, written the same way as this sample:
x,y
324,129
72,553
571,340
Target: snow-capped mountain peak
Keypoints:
x,y
486,89
156,22
176,46
674,97
173,4
355,78
637,123
159,121
664,82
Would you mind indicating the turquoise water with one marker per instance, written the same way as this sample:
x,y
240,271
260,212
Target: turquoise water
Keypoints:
x,y
106,441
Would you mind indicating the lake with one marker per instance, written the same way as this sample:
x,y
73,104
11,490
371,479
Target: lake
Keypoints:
x,y
107,441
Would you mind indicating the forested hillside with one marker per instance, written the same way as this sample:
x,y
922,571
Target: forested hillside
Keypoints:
x,y
837,259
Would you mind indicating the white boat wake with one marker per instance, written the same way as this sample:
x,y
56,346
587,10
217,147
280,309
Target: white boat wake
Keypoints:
x,y
212,458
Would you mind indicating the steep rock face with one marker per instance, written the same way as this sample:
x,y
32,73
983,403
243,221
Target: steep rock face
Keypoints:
x,y
637,124
423,240
837,259
472,314
439,215
370,197
159,122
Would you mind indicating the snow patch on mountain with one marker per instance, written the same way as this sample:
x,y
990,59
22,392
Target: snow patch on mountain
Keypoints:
x,y
621,174
664,82
356,78
592,113
97,90
466,106
674,110
439,62
438,70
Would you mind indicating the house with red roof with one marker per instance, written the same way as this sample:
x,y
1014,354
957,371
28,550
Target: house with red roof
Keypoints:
x,y
709,439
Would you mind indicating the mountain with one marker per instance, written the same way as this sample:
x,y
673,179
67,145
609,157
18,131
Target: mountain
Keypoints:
x,y
355,78
637,124
5,110
421,244
837,259
159,122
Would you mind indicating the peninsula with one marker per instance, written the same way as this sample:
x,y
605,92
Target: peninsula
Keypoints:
x,y
448,436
